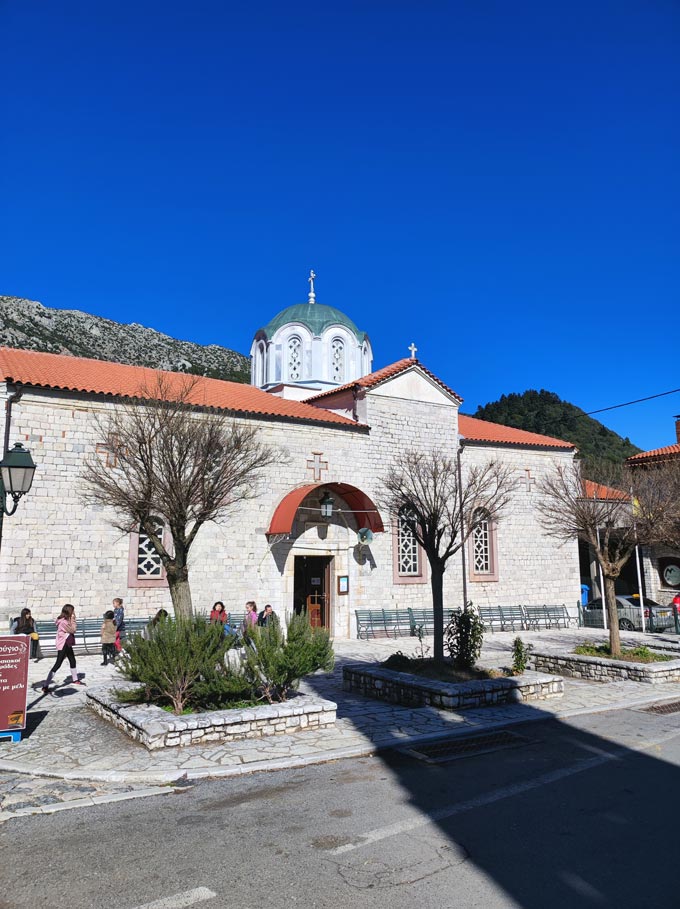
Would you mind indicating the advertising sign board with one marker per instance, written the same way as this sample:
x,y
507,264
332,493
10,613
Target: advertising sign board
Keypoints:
x,y
14,654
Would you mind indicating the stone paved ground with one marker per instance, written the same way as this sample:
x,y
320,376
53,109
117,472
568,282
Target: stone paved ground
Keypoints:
x,y
70,757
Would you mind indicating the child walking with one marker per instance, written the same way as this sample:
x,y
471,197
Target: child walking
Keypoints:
x,y
66,631
109,632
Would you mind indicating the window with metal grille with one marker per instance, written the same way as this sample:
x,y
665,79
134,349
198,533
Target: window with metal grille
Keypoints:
x,y
294,358
482,562
408,551
338,360
149,565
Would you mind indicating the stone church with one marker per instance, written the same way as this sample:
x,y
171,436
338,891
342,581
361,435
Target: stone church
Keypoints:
x,y
316,534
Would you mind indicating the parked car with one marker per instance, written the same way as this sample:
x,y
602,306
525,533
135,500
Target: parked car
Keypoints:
x,y
628,606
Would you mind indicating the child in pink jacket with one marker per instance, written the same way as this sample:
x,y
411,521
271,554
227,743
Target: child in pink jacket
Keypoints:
x,y
66,630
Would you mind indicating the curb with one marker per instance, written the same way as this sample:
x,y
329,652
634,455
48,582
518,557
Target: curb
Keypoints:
x,y
366,749
87,802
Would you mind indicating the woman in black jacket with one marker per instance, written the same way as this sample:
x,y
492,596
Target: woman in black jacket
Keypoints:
x,y
25,624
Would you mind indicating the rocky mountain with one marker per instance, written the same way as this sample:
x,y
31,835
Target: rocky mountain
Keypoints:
x,y
29,325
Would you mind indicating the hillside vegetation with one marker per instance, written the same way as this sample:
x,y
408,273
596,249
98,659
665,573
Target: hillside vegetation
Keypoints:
x,y
29,325
544,412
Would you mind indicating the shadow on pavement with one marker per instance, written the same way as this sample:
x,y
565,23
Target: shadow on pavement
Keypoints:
x,y
564,818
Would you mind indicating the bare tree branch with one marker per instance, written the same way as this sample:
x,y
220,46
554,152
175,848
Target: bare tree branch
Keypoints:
x,y
424,489
171,460
631,507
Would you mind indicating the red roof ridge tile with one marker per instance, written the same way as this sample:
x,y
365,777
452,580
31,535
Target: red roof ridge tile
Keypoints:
x,y
381,375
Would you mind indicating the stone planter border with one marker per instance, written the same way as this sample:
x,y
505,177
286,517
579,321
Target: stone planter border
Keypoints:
x,y
410,690
155,728
601,670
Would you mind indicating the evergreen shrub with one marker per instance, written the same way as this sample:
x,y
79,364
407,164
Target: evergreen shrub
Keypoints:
x,y
274,666
183,663
463,637
521,654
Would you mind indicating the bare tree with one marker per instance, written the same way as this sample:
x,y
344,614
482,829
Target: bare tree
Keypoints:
x,y
634,507
441,508
170,459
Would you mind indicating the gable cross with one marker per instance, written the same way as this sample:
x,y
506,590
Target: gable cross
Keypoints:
x,y
317,465
528,480
413,350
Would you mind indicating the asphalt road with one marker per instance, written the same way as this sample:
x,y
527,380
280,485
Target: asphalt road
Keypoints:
x,y
573,815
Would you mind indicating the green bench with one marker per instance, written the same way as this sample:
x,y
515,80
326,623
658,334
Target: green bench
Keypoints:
x,y
502,618
374,623
88,634
421,618
548,617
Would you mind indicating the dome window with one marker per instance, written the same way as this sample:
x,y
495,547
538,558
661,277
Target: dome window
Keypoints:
x,y
294,359
338,360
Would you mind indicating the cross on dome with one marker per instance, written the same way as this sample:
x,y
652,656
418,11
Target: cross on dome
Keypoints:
x,y
413,350
312,295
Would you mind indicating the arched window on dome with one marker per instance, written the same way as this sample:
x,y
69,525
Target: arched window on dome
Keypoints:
x,y
262,365
338,360
294,358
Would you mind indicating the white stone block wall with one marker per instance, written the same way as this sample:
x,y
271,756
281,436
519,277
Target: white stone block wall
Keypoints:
x,y
57,550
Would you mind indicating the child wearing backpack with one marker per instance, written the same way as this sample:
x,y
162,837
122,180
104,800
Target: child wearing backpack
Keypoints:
x,y
109,632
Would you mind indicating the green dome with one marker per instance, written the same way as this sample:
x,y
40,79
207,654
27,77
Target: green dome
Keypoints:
x,y
315,316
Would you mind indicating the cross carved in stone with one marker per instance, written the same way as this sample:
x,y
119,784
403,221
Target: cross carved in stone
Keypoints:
x,y
317,465
528,480
111,459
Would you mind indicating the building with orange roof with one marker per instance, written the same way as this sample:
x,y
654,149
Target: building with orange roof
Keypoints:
x,y
314,396
661,565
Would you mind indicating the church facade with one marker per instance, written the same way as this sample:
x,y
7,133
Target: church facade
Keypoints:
x,y
316,535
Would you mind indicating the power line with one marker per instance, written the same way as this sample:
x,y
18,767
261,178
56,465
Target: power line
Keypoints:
x,y
662,394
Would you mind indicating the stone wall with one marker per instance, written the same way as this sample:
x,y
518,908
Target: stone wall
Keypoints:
x,y
155,728
413,691
56,549
602,670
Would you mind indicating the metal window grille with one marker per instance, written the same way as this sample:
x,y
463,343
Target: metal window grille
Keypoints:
x,y
149,565
338,360
294,358
481,548
407,547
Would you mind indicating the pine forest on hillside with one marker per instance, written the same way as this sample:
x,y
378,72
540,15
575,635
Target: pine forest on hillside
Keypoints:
x,y
546,413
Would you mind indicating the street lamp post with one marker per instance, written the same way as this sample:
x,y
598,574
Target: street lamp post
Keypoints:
x,y
17,470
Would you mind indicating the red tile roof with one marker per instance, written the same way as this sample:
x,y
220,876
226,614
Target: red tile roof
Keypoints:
x,y
121,380
387,372
475,430
669,453
594,490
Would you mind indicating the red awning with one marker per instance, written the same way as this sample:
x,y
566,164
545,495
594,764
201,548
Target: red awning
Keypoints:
x,y
363,508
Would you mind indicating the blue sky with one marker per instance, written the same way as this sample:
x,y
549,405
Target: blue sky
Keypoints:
x,y
495,181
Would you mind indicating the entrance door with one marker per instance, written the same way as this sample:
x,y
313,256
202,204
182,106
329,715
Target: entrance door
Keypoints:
x,y
312,588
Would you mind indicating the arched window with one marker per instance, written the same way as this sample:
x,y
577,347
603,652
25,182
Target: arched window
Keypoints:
x,y
262,377
338,360
408,551
483,565
294,358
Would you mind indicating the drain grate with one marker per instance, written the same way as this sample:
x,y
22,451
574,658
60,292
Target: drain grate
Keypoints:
x,y
663,709
452,749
